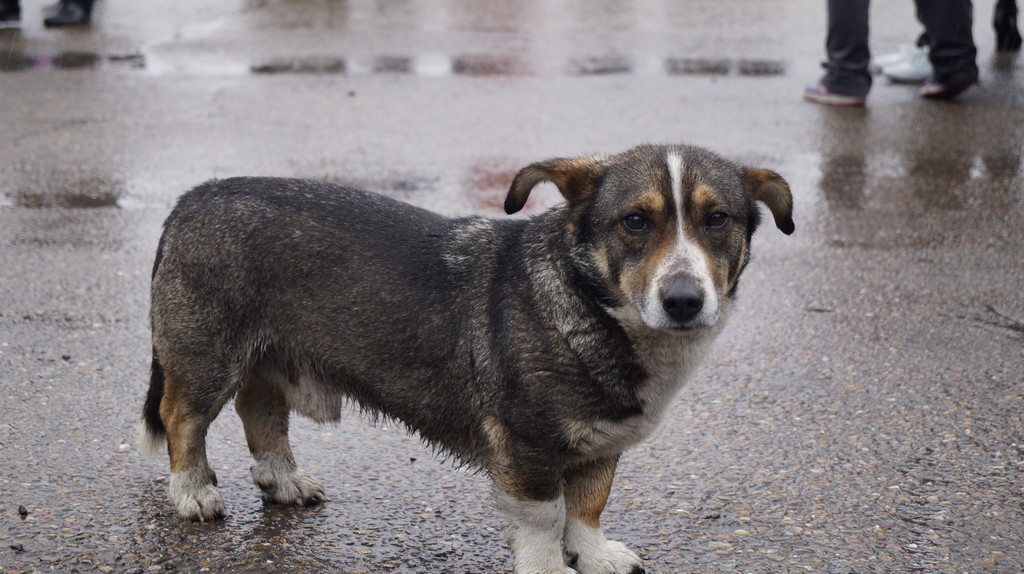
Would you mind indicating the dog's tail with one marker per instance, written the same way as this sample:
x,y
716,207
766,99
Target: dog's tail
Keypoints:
x,y
152,433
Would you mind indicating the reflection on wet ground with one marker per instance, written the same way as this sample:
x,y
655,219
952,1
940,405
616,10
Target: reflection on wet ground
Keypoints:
x,y
307,65
488,65
392,65
881,197
600,65
83,192
37,183
497,65
500,65
697,66
761,67
422,65
73,199
723,66
24,61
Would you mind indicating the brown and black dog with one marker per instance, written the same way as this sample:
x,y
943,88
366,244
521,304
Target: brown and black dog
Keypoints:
x,y
537,350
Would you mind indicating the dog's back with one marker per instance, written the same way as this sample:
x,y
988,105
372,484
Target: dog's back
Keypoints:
x,y
341,293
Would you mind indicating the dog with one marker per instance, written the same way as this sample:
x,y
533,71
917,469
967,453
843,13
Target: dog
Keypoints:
x,y
537,349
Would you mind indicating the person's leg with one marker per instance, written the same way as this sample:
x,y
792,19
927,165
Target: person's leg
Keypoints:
x,y
952,53
1004,21
846,71
10,13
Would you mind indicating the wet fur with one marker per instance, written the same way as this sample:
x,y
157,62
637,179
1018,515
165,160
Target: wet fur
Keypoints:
x,y
514,345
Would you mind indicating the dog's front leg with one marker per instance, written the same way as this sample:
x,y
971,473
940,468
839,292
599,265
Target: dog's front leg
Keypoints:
x,y
535,526
528,487
586,548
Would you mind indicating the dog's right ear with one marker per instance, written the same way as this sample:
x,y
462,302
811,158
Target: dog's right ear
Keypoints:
x,y
769,188
575,177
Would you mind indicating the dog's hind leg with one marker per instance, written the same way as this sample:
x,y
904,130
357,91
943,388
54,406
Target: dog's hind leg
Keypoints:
x,y
586,549
264,410
187,413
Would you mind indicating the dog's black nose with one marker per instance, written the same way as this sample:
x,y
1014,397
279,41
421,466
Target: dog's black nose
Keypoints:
x,y
682,300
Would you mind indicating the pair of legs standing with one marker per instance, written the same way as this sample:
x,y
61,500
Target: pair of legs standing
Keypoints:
x,y
947,24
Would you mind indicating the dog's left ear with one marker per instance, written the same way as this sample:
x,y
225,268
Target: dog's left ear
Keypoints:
x,y
769,188
575,177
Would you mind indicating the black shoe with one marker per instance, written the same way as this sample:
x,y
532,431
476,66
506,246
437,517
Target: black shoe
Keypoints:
x,y
67,14
933,90
9,17
1005,22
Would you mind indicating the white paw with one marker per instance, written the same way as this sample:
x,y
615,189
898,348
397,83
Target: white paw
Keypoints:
x,y
195,497
535,534
546,570
608,558
282,483
589,552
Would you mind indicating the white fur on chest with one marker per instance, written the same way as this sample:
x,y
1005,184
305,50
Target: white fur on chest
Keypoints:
x,y
669,359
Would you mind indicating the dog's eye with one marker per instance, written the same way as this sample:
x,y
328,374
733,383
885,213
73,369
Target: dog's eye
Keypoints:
x,y
637,224
716,221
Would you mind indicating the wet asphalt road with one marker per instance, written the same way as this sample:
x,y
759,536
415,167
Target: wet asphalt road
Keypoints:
x,y
861,413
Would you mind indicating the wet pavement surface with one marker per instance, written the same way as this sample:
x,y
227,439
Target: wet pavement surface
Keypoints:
x,y
861,413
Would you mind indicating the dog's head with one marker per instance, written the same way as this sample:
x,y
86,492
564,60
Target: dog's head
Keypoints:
x,y
661,232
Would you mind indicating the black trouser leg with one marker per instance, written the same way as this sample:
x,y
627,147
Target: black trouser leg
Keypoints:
x,y
847,47
1005,22
952,52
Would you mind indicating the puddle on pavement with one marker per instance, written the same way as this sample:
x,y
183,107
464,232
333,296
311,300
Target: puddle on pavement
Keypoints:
x,y
761,67
302,65
600,66
66,61
483,65
473,65
392,65
697,66
86,193
72,200
921,182
723,67
488,65
886,185
465,65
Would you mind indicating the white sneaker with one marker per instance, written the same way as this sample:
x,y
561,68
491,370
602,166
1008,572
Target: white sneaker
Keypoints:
x,y
903,52
913,70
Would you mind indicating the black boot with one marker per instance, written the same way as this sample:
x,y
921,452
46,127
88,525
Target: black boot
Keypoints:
x,y
69,13
1005,22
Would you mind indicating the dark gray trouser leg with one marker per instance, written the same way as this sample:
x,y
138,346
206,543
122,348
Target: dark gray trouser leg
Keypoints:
x,y
846,71
1004,20
952,52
